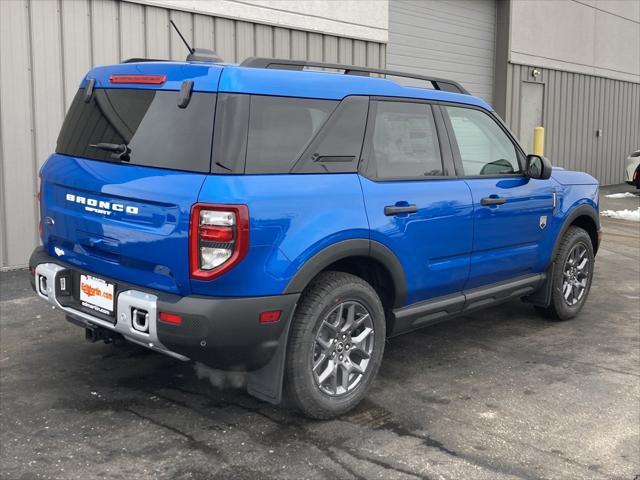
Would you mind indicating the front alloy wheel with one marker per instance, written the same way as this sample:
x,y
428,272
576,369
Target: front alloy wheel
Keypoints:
x,y
576,274
572,276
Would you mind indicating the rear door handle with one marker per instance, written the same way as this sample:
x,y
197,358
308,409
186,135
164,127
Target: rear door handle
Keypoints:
x,y
493,200
390,210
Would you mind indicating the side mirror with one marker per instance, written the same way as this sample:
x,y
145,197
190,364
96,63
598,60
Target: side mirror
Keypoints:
x,y
538,167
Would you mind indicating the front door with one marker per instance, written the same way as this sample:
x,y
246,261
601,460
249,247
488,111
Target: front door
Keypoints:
x,y
414,208
511,211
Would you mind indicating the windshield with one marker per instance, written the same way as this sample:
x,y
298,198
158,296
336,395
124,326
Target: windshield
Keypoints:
x,y
149,123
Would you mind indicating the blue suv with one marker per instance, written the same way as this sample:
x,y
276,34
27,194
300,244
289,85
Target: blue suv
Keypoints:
x,y
282,219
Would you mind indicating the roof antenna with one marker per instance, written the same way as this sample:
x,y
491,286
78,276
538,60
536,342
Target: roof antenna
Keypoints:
x,y
198,54
191,50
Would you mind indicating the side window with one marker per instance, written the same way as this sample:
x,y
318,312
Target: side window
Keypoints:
x,y
404,142
485,149
280,129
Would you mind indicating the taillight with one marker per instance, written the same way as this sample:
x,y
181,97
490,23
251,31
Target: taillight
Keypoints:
x,y
39,197
39,194
218,238
138,79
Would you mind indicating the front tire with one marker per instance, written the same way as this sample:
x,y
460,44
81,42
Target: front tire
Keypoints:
x,y
572,277
335,345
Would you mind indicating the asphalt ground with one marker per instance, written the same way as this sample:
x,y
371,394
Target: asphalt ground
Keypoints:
x,y
499,394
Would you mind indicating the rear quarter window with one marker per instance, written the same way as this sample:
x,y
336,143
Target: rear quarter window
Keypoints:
x,y
158,132
280,129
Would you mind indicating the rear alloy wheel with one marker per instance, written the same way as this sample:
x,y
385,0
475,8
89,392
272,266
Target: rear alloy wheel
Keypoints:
x,y
335,345
344,344
572,275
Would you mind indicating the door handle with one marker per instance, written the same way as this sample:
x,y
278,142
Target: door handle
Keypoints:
x,y
493,200
399,209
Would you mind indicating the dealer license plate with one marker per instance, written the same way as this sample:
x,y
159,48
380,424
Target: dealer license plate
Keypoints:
x,y
96,294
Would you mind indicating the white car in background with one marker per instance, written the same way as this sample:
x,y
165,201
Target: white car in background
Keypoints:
x,y
631,167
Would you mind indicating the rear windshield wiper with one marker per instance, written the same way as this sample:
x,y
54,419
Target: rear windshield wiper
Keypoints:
x,y
119,151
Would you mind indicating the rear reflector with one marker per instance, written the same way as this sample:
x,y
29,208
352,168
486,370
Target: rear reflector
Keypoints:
x,y
138,79
170,318
270,316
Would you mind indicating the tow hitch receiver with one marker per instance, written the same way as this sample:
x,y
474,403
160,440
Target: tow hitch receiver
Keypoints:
x,y
95,334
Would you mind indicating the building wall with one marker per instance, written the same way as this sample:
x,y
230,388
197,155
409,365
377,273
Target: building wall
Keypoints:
x,y
362,19
588,55
575,107
453,40
594,37
47,46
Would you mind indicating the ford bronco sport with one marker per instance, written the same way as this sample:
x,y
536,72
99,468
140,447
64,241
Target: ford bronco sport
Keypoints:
x,y
287,221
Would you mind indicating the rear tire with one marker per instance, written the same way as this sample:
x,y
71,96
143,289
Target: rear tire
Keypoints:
x,y
572,277
335,345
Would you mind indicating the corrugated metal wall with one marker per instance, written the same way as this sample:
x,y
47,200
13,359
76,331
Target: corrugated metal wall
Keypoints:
x,y
48,46
450,39
575,107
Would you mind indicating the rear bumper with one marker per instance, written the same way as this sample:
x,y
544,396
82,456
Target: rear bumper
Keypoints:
x,y
219,332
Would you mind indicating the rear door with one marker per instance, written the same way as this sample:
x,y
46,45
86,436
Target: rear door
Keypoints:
x,y
126,216
414,206
511,211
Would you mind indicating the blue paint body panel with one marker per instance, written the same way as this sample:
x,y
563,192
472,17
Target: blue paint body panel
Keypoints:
x,y
293,217
434,244
147,249
507,238
450,244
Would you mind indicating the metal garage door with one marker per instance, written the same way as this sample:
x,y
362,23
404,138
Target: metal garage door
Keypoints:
x,y
454,39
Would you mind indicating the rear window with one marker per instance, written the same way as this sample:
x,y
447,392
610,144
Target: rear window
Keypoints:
x,y
149,122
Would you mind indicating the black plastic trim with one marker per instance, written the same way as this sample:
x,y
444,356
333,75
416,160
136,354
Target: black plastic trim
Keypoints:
x,y
358,247
439,309
582,210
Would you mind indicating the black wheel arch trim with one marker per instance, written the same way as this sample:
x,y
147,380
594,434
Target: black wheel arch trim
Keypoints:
x,y
579,211
357,247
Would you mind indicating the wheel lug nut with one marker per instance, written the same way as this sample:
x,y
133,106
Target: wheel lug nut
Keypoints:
x,y
347,346
344,336
341,357
333,354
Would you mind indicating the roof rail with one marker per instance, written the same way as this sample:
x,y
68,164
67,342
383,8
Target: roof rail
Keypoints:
x,y
285,64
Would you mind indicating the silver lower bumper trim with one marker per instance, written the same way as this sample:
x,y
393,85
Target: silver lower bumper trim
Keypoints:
x,y
46,278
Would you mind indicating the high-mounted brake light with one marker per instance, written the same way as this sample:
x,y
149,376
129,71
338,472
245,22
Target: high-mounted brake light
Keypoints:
x,y
218,239
138,79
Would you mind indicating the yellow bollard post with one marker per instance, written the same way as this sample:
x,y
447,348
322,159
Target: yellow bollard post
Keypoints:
x,y
538,141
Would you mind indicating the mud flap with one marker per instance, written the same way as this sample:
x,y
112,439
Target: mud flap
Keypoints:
x,y
542,296
266,383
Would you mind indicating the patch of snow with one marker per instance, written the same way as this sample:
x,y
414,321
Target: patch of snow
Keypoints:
x,y
487,415
631,215
621,195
